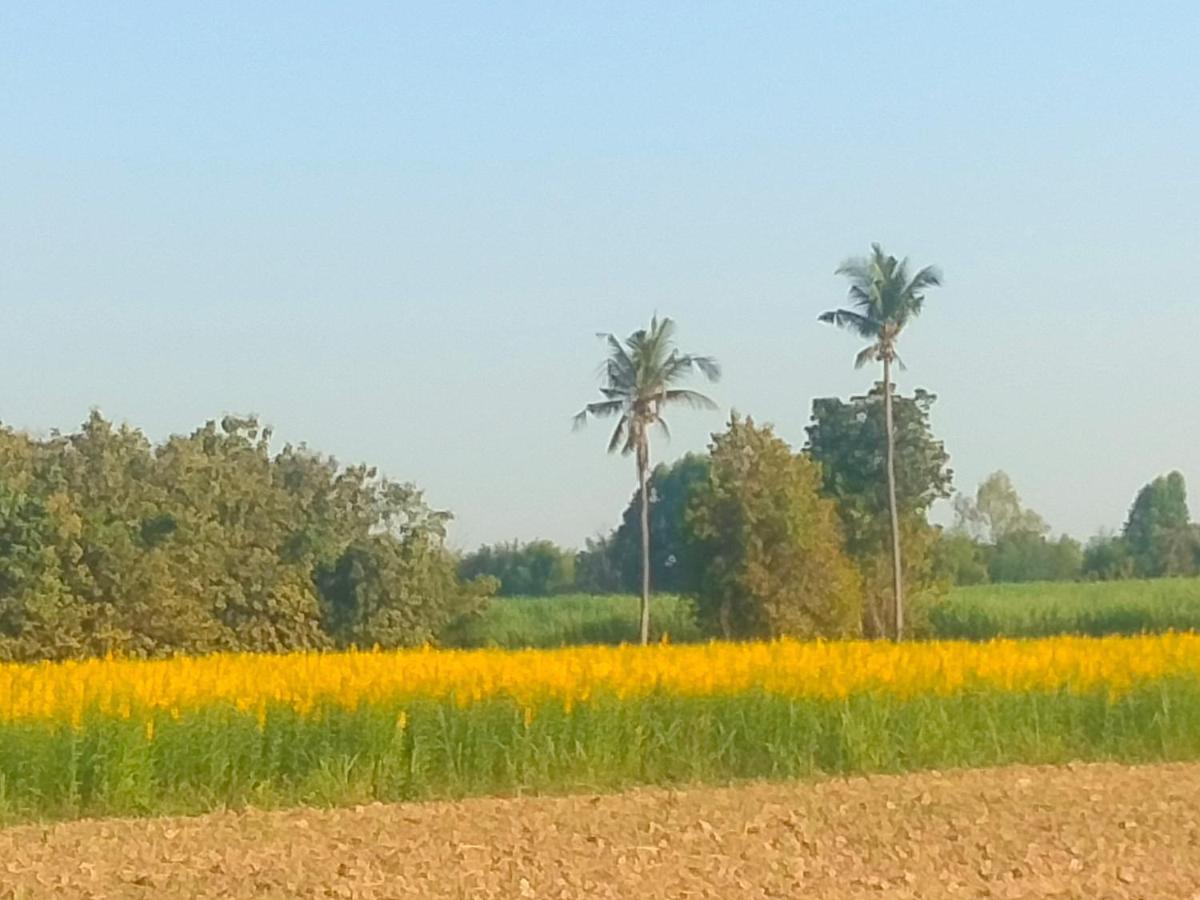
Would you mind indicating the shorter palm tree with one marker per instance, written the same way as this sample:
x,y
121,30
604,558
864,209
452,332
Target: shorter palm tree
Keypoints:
x,y
884,299
639,383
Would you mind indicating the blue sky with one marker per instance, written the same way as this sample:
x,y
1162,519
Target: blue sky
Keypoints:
x,y
392,232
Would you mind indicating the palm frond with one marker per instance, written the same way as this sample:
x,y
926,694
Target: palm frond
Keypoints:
x,y
618,436
864,326
708,366
694,399
866,355
601,409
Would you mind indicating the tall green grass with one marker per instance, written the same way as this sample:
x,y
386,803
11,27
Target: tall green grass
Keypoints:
x,y
1050,608
221,757
1040,609
546,622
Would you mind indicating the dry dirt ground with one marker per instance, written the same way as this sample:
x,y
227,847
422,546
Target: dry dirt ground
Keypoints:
x,y
1082,831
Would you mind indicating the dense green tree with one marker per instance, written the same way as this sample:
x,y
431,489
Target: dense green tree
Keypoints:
x,y
209,542
1160,538
771,543
534,569
1106,558
884,299
1028,556
960,559
848,439
640,382
673,563
597,570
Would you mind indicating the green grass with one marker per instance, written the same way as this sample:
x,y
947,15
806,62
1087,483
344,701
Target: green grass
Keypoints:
x,y
1040,609
546,622
1049,608
223,758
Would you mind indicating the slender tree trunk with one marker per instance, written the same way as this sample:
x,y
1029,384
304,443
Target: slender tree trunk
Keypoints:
x,y
897,575
643,461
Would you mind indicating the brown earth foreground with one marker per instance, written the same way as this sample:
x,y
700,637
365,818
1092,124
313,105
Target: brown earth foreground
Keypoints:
x,y
1082,831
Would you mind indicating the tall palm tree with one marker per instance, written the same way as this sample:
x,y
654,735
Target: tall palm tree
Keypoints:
x,y
639,383
883,300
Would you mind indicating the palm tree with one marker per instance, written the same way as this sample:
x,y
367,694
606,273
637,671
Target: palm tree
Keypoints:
x,y
639,379
883,300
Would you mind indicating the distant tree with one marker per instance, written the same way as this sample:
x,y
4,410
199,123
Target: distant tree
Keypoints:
x,y
848,439
673,562
771,544
1011,539
1106,558
395,590
884,298
640,378
996,512
1028,556
535,568
1160,538
960,559
597,569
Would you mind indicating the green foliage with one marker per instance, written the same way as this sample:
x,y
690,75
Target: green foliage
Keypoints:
x,y
959,559
848,439
674,567
1025,556
1160,539
1052,608
597,570
536,568
771,545
1107,558
208,542
514,623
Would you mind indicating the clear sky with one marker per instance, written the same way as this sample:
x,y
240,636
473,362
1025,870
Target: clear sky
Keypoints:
x,y
392,230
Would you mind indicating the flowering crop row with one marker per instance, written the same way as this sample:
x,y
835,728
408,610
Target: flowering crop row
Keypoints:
x,y
124,736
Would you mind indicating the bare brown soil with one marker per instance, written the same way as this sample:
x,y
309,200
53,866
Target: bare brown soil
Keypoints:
x,y
1082,831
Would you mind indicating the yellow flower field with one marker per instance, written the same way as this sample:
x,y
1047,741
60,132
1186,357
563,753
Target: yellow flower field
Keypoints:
x,y
111,736
819,671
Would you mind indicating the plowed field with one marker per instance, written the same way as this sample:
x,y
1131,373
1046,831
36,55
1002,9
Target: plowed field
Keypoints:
x,y
1082,831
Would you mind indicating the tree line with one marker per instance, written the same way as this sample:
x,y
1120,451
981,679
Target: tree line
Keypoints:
x,y
215,540
751,538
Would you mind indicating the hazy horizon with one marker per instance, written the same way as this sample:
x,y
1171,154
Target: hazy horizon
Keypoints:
x,y
393,234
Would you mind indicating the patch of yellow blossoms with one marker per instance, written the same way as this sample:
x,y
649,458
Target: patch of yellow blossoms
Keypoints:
x,y
304,681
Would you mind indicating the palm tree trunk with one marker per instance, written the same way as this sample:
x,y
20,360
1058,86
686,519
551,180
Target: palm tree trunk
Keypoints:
x,y
643,461
897,576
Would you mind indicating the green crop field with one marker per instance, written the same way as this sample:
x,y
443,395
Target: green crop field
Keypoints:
x,y
1038,609
1088,608
575,619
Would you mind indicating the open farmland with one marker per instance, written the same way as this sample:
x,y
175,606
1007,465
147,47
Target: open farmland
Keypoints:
x,y
115,737
1087,831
